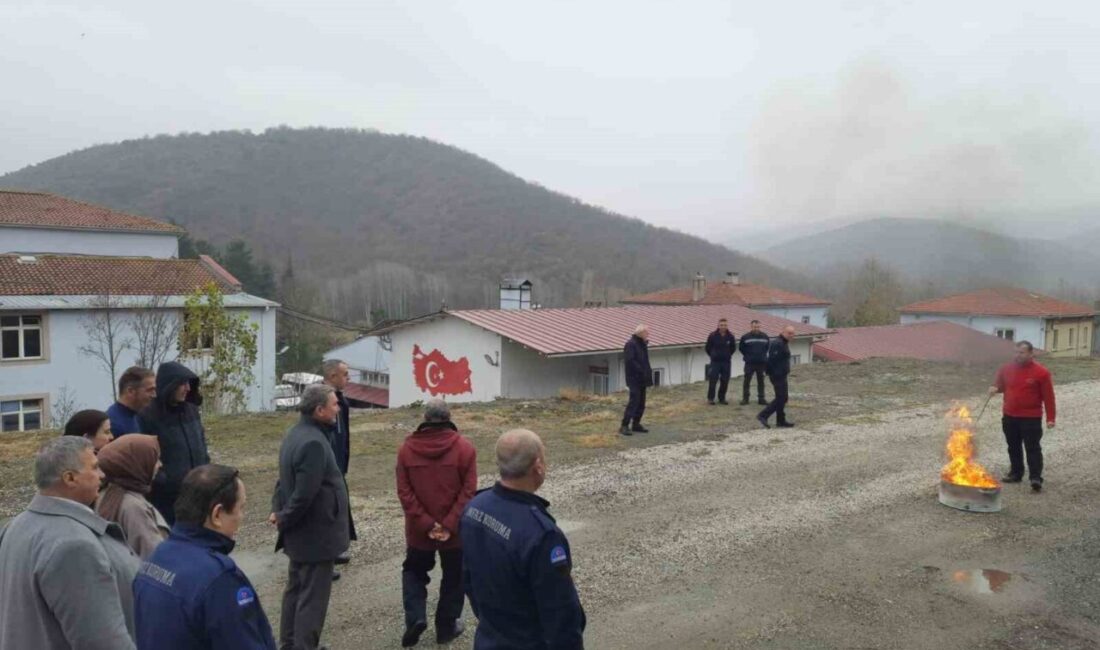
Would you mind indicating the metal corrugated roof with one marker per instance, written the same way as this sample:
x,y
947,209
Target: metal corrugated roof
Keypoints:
x,y
931,341
12,303
562,332
1000,301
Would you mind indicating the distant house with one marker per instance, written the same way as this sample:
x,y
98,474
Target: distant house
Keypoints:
x,y
732,291
1063,329
928,341
65,264
481,355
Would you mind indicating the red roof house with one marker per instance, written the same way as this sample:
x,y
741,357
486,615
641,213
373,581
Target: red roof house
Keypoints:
x,y
928,341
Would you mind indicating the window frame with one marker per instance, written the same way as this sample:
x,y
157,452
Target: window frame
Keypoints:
x,y
1002,332
43,337
43,411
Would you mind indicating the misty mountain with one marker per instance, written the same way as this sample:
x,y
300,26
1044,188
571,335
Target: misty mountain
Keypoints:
x,y
946,255
386,222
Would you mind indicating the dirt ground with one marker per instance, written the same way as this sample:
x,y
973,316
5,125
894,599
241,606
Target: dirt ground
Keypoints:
x,y
710,532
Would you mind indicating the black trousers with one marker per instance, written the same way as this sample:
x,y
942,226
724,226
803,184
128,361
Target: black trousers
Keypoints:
x,y
1023,435
635,406
778,404
414,587
720,377
754,370
305,604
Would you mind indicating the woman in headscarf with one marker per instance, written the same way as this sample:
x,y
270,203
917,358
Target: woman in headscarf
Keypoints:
x,y
130,463
91,424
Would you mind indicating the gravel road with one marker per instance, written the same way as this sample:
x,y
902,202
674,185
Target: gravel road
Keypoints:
x,y
822,538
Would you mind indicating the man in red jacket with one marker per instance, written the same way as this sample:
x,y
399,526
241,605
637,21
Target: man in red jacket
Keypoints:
x,y
1028,388
436,478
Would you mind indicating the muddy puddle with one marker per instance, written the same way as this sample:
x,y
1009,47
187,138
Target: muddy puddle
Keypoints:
x,y
984,581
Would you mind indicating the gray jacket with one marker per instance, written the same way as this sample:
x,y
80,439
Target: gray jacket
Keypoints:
x,y
311,498
143,524
65,580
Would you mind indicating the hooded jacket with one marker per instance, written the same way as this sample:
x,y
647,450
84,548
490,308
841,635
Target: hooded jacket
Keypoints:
x,y
436,478
179,430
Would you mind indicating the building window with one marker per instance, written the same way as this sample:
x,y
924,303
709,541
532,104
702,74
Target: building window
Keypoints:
x,y
805,320
1007,334
1072,331
1054,345
21,337
658,376
191,342
21,415
599,383
796,359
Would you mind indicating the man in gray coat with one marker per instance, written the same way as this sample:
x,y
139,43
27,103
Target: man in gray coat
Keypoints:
x,y
310,509
65,572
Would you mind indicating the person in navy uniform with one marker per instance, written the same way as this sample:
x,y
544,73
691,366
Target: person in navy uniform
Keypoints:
x,y
516,561
639,377
720,347
190,594
779,367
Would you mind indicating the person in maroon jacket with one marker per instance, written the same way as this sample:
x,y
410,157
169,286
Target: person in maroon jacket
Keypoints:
x,y
1029,389
436,478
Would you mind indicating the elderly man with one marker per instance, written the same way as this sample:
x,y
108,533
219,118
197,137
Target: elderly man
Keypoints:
x,y
516,561
174,418
1028,388
779,367
436,478
190,595
310,509
335,373
65,572
137,387
639,377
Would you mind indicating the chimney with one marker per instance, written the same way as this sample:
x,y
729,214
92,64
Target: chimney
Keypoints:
x,y
733,277
698,287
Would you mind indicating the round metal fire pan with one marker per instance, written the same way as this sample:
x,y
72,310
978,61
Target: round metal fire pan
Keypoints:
x,y
970,499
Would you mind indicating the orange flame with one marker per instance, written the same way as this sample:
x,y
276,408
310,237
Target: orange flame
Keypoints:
x,y
961,468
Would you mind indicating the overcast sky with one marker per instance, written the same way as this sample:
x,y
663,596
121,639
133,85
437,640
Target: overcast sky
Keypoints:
x,y
704,116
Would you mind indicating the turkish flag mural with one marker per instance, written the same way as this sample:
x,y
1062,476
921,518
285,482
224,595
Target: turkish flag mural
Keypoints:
x,y
439,375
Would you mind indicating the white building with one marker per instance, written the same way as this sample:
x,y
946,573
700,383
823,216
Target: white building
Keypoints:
x,y
48,301
1061,328
732,291
368,360
481,355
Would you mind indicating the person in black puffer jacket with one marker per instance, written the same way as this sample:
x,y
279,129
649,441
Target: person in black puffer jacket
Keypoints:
x,y
174,419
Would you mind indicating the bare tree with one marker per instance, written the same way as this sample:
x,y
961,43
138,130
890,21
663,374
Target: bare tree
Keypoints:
x,y
63,406
106,339
157,330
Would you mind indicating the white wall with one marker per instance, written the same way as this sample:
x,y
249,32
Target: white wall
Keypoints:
x,y
819,316
84,242
527,374
89,383
455,339
1027,328
362,354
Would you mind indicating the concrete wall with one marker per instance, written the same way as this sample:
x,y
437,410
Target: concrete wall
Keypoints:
x,y
1079,330
88,382
1027,328
455,339
819,316
43,240
527,374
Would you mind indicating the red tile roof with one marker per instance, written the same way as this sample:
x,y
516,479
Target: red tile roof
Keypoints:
x,y
96,275
580,331
1000,301
725,293
930,341
41,210
368,394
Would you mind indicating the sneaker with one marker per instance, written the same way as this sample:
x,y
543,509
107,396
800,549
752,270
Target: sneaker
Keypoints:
x,y
785,425
763,421
1036,485
446,636
625,431
637,428
412,634
1011,478
335,576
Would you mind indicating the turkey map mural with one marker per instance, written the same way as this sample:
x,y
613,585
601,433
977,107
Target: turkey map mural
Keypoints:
x,y
439,375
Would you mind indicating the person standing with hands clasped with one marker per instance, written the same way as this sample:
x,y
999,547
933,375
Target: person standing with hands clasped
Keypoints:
x,y
720,347
1028,389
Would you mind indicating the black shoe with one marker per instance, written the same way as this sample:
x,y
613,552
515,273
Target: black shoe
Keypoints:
x,y
342,558
785,425
1011,478
625,431
762,402
723,402
744,402
1036,485
335,576
637,428
446,636
412,634
711,402
763,421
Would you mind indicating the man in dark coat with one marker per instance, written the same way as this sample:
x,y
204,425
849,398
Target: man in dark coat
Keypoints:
x,y
720,347
436,478
335,373
779,367
639,376
174,418
754,350
310,509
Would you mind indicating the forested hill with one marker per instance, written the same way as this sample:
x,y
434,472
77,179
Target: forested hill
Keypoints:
x,y
386,222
